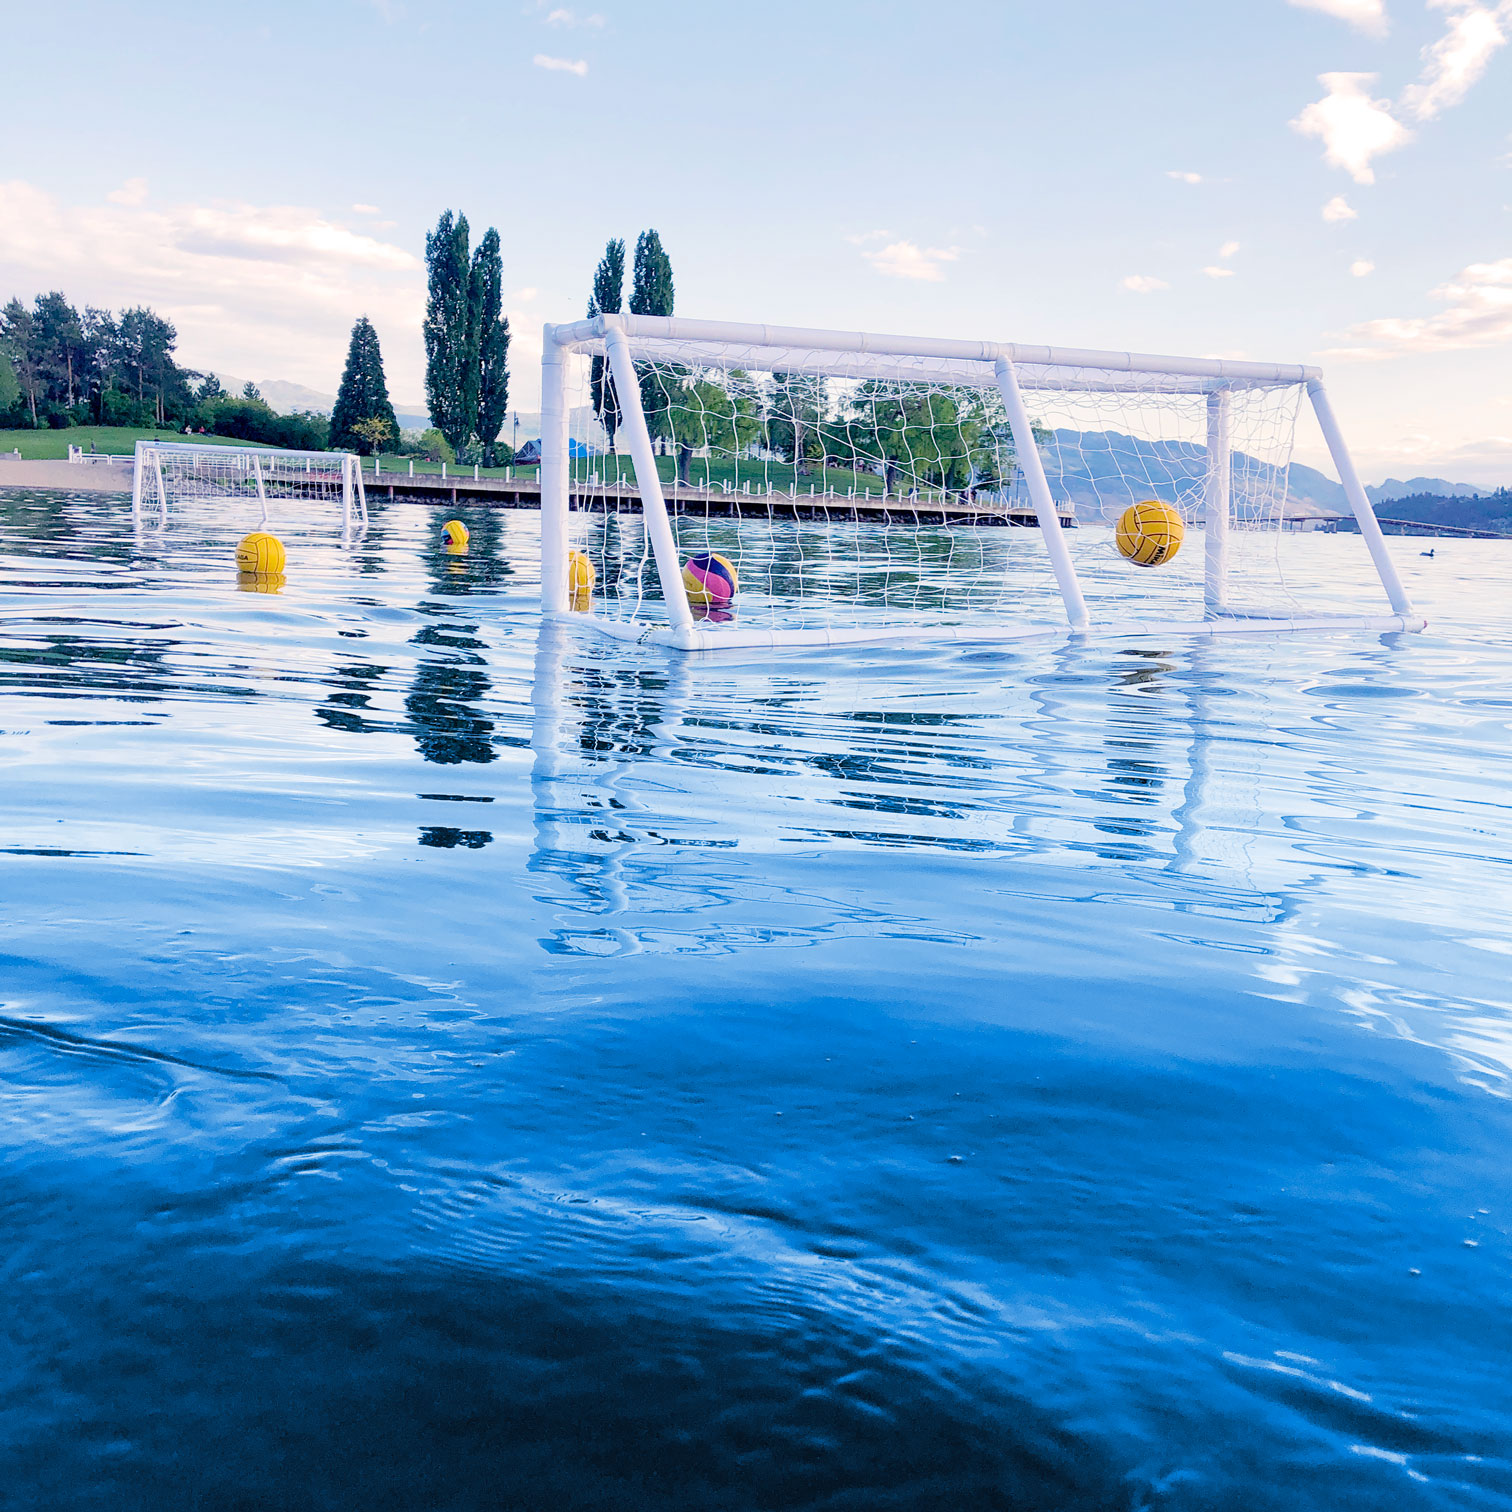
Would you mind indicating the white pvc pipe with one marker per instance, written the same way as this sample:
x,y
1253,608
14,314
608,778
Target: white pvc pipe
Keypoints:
x,y
675,328
554,480
1358,499
653,504
136,481
1028,458
262,497
735,639
1216,501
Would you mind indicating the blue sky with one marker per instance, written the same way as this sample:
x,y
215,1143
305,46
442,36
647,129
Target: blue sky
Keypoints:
x,y
1328,181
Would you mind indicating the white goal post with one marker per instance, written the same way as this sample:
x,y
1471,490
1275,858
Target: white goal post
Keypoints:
x,y
866,488
166,473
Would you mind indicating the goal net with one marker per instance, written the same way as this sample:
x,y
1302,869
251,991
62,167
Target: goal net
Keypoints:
x,y
170,473
831,487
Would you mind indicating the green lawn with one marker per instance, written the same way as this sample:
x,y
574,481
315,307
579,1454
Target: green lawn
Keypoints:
x,y
50,445
40,445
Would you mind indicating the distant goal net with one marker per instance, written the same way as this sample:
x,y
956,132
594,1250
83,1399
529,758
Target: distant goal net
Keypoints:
x,y
168,474
708,485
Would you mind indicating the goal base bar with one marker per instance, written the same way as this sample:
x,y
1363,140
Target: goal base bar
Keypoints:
x,y
882,635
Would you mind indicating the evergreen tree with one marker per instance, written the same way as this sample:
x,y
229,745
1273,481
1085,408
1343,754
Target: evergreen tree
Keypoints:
x,y
451,354
16,332
490,339
608,298
363,395
652,294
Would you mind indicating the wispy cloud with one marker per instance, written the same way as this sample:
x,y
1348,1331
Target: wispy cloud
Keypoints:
x,y
1368,16
578,66
132,192
1478,313
1353,127
1142,283
1218,272
1228,249
561,16
904,259
1361,267
251,288
1457,60
365,209
861,238
1339,209
1182,176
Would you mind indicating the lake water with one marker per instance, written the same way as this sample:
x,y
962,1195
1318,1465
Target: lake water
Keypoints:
x,y
446,1065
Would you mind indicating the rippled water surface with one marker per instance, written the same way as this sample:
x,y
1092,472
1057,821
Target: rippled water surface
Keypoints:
x,y
447,1065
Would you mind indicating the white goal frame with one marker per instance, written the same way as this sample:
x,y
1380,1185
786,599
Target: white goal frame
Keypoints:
x,y
728,345
242,472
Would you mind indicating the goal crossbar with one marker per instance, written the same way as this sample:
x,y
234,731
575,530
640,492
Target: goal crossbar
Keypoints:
x,y
630,345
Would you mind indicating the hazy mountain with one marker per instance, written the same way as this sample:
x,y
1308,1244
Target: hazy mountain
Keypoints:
x,y
1393,488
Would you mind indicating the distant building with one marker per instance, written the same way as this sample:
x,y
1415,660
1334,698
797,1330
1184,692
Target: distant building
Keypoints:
x,y
529,454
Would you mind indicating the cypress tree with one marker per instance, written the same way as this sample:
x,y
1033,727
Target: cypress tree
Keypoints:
x,y
652,294
363,396
451,355
490,339
608,298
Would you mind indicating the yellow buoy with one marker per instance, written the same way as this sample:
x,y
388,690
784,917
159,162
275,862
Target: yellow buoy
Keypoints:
x,y
456,535
261,554
580,575
1149,533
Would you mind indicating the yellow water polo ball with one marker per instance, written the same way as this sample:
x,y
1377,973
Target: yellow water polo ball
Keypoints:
x,y
261,554
455,533
1149,533
580,574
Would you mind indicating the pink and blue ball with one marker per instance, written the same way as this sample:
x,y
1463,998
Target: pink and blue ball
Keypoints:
x,y
710,580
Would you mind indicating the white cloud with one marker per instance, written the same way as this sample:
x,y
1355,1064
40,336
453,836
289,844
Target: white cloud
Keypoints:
x,y
524,296
862,237
366,209
1228,249
1339,209
132,192
903,259
576,66
270,289
1182,177
1142,283
1361,267
1368,15
1353,127
1216,272
564,17
1478,314
1457,60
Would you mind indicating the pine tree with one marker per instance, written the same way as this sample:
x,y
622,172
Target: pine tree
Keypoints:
x,y
490,339
608,298
363,396
451,356
652,294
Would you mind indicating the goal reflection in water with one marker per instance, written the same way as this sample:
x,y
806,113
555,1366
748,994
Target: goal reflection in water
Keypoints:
x,y
633,759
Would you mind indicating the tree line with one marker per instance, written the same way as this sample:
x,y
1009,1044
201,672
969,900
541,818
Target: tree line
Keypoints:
x,y
59,368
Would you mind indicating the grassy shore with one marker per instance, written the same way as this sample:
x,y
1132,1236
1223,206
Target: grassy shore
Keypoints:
x,y
704,472
118,440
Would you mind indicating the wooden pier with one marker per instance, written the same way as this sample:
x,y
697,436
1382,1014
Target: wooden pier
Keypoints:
x,y
707,503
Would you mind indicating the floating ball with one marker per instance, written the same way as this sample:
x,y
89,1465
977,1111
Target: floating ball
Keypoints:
x,y
581,575
710,580
1149,533
261,554
454,532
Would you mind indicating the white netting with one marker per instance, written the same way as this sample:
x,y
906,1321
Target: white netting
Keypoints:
x,y
174,473
856,490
